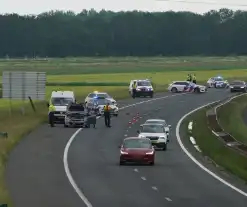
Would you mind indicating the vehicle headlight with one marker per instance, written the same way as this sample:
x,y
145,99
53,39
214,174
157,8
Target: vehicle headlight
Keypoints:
x,y
162,137
149,153
123,153
242,86
231,86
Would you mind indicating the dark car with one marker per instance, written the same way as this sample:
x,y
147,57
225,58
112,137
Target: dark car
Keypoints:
x,y
75,115
137,150
238,86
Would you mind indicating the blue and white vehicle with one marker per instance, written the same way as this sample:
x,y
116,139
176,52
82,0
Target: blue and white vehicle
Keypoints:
x,y
186,86
217,82
98,95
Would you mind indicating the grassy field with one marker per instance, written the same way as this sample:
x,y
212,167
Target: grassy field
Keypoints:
x,y
231,118
230,160
84,75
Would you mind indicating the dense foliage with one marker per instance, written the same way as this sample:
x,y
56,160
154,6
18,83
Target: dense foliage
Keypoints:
x,y
59,34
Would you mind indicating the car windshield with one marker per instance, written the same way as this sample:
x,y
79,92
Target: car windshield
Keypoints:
x,y
102,95
143,83
60,101
218,79
155,122
76,107
152,129
102,101
237,83
137,143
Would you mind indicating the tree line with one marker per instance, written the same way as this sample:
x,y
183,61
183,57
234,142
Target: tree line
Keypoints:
x,y
106,33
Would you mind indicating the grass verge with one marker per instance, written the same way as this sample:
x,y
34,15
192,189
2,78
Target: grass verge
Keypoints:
x,y
228,159
18,125
231,118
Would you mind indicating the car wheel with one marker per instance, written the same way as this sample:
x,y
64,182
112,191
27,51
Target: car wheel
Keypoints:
x,y
116,114
65,126
174,90
151,163
164,147
197,90
121,163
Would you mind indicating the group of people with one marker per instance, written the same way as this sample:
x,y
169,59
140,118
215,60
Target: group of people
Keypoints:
x,y
191,78
107,115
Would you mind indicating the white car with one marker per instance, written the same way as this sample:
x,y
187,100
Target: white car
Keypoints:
x,y
143,88
186,86
97,94
156,133
61,99
160,121
101,102
217,82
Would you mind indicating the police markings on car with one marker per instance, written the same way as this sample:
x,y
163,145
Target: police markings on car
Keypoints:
x,y
217,82
186,86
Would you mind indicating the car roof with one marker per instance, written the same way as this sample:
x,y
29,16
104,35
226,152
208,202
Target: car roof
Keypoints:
x,y
131,138
155,120
148,124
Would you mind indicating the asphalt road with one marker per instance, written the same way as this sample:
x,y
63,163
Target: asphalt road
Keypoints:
x,y
35,173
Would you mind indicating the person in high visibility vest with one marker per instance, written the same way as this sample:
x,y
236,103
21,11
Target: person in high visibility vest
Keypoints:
x,y
107,115
189,77
134,89
194,78
52,109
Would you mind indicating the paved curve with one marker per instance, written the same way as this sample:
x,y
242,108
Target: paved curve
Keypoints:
x,y
37,177
35,172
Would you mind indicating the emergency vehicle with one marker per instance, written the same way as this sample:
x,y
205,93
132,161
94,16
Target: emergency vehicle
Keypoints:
x,y
143,88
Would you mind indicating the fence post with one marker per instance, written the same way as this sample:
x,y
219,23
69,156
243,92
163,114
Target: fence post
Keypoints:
x,y
31,102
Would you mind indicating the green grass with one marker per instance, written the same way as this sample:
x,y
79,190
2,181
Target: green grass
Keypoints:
x,y
58,66
230,117
112,75
230,160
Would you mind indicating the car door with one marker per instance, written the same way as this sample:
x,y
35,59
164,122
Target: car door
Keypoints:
x,y
182,85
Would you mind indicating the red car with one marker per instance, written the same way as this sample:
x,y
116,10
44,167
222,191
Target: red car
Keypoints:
x,y
135,149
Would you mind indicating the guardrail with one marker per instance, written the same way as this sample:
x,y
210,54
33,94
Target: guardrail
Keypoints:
x,y
220,133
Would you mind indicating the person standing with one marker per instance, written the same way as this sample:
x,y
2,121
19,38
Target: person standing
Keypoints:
x,y
194,78
134,89
107,115
52,109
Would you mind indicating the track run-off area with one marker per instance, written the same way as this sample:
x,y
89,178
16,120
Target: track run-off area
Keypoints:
x,y
80,167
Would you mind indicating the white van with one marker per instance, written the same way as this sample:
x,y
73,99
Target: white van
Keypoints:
x,y
143,88
61,99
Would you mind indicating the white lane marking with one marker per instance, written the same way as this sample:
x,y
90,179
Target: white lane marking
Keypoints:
x,y
68,173
168,199
154,188
126,135
143,178
195,160
66,150
136,170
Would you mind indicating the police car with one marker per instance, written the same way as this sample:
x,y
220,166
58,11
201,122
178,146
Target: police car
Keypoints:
x,y
217,82
97,94
98,104
60,100
186,86
156,133
143,88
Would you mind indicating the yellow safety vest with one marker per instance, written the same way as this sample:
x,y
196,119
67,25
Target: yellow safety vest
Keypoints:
x,y
134,85
107,108
52,108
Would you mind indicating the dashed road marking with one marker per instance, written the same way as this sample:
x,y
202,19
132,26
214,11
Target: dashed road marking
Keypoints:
x,y
143,178
154,188
136,170
168,199
126,135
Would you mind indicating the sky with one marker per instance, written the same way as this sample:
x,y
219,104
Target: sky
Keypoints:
x,y
23,7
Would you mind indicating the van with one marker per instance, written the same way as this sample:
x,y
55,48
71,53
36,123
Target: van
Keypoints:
x,y
60,100
144,88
